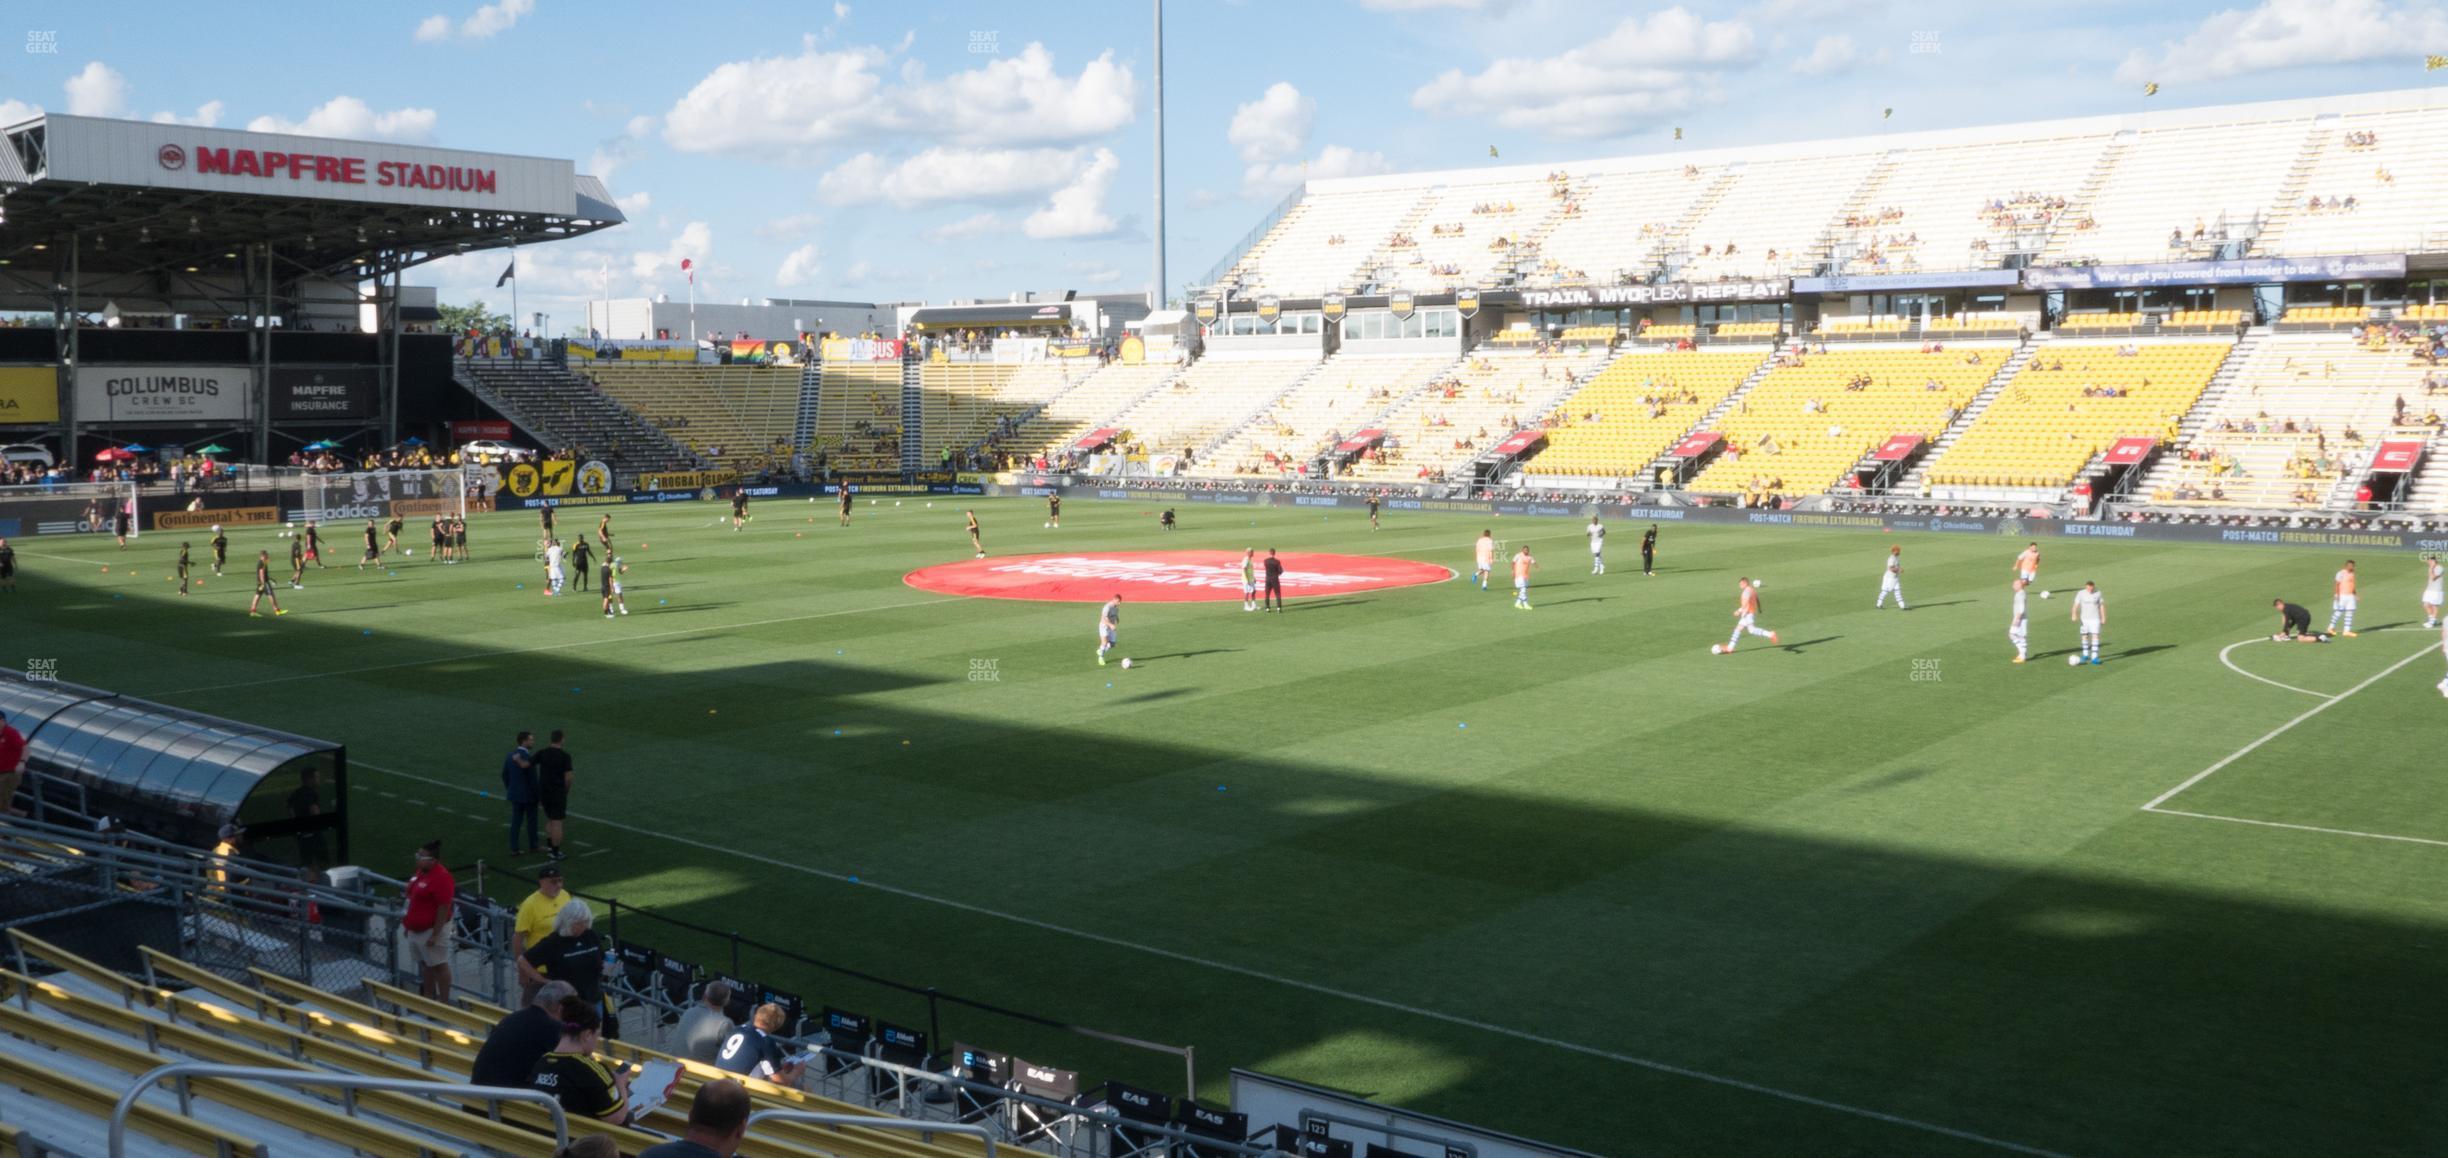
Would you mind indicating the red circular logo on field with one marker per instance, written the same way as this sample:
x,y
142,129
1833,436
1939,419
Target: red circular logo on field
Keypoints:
x,y
171,157
1164,576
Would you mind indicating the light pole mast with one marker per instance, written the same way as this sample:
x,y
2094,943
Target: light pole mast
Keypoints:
x,y
1156,295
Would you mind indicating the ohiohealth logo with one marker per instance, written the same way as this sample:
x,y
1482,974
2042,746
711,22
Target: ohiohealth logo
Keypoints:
x,y
1166,574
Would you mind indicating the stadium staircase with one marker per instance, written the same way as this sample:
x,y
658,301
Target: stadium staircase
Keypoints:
x,y
1677,238
557,408
1912,481
1708,421
913,416
2290,195
2062,233
811,392
1383,257
1823,251
2427,494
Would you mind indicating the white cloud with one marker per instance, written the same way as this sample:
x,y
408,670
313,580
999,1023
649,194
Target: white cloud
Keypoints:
x,y
694,242
841,12
1636,75
2282,34
346,116
495,18
1832,54
433,29
1274,126
1417,5
798,267
1094,272
1331,161
790,228
13,111
974,225
858,273
640,126
206,115
97,91
943,175
1078,209
791,107
634,204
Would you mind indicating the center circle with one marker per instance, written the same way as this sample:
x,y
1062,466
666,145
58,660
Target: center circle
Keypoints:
x,y
1165,576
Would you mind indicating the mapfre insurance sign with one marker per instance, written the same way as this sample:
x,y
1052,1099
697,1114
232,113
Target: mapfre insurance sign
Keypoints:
x,y
148,155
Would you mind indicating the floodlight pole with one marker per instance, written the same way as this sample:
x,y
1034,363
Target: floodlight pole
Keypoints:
x,y
1156,293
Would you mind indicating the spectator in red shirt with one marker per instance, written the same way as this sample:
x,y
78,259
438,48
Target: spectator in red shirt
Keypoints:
x,y
12,766
425,929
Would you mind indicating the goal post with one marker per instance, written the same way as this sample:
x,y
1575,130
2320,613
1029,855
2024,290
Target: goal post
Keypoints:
x,y
68,508
383,494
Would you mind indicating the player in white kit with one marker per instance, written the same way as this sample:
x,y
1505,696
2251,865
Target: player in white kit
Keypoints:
x,y
2431,591
1483,558
2018,628
2342,600
552,567
1891,580
2090,616
1597,537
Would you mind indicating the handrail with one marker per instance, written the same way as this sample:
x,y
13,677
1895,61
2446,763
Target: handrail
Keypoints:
x,y
812,1118
185,1070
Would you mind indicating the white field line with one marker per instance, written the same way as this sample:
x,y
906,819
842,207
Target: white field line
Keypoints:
x,y
1277,979
2264,679
2282,729
2303,827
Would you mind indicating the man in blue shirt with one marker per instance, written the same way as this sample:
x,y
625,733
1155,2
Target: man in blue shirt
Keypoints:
x,y
519,787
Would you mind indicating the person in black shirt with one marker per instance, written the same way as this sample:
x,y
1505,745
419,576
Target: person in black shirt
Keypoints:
x,y
120,524
574,1078
220,546
373,551
553,775
433,554
297,562
739,507
844,488
263,587
1372,505
314,544
2295,622
1273,600
391,533
458,539
546,514
517,1042
1166,522
579,559
1054,511
1649,550
573,953
182,566
8,569
717,1122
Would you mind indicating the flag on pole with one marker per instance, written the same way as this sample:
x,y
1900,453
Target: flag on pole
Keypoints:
x,y
690,268
508,271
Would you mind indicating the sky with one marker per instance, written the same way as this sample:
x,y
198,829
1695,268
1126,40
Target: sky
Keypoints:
x,y
931,151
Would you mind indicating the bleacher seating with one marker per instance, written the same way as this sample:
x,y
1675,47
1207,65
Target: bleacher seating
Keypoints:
x,y
1337,400
569,412
1764,330
2393,180
1770,220
1495,393
1669,331
2172,179
1323,241
2326,315
964,400
2431,312
2300,411
1091,403
1964,206
1637,407
1588,334
1464,231
2216,319
1977,325
745,412
1620,219
858,415
2075,323
1214,393
2052,417
1857,327
1818,428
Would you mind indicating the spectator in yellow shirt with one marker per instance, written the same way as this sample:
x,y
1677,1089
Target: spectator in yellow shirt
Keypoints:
x,y
535,920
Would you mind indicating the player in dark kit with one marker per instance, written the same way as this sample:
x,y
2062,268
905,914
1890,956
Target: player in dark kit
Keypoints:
x,y
433,552
1166,522
459,550
314,544
373,551
579,559
1054,511
220,546
546,514
121,522
739,507
2295,623
976,541
263,587
8,567
182,569
1372,505
297,563
391,533
1274,583
844,488
1649,550
603,534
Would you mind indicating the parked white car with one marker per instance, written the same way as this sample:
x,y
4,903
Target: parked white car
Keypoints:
x,y
24,452
490,451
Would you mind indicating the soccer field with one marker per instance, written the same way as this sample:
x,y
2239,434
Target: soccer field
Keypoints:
x,y
1564,872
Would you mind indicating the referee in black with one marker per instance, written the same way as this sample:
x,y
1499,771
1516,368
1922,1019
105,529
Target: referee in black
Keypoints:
x,y
1274,583
2294,622
1649,550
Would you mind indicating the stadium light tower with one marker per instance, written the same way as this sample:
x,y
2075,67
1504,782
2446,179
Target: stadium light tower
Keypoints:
x,y
1156,293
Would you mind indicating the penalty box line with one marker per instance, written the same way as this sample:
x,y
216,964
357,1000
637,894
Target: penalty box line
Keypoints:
x,y
1276,979
2158,802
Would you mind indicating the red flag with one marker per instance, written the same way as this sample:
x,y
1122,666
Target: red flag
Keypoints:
x,y
689,267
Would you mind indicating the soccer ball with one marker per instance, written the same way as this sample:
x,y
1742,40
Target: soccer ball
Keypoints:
x,y
1759,584
1049,524
2044,595
2074,661
1126,662
1716,649
407,550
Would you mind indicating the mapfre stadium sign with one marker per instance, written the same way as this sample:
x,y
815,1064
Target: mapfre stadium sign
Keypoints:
x,y
147,155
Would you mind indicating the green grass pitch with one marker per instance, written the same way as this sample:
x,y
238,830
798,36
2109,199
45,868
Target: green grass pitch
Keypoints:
x,y
1875,891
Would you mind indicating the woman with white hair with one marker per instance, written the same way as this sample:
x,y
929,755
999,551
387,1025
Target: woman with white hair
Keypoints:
x,y
573,953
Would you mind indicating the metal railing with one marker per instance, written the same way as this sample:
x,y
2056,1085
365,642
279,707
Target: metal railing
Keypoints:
x,y
184,1073
926,1130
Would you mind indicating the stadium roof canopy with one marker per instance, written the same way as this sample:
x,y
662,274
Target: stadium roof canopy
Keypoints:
x,y
178,212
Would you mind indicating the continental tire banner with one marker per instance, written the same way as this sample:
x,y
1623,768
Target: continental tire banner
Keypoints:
x,y
204,519
1332,305
1269,307
1400,303
341,393
1466,301
162,393
1204,310
595,478
28,394
679,480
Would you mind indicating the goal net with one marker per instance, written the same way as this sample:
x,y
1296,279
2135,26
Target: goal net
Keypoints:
x,y
67,509
408,494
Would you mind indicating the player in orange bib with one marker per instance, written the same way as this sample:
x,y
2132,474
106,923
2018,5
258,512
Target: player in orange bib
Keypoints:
x,y
2027,564
1483,558
1522,563
1746,615
2342,600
